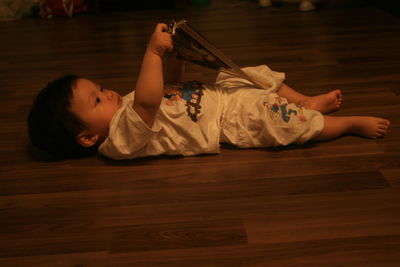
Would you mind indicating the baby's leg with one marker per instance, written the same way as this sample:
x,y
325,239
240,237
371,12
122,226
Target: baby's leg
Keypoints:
x,y
370,127
323,103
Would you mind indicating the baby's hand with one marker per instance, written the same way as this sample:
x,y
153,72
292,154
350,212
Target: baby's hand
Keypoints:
x,y
160,41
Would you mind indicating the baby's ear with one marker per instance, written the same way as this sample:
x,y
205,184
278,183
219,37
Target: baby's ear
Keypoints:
x,y
87,138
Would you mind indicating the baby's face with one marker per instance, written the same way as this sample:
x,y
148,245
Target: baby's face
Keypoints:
x,y
94,105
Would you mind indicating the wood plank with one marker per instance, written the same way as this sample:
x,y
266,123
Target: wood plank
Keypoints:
x,y
181,235
327,203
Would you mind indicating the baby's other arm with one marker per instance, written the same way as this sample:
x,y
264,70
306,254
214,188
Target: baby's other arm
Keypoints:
x,y
150,84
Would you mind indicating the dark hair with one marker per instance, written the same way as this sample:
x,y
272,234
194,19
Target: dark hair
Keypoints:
x,y
51,126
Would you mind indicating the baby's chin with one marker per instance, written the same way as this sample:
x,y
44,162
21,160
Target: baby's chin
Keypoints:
x,y
119,100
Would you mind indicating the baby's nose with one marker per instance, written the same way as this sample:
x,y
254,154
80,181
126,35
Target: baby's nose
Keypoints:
x,y
110,95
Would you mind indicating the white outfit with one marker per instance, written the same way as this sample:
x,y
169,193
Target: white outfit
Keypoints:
x,y
194,120
173,132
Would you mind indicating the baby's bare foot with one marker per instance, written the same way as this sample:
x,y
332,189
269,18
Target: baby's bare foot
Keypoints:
x,y
325,103
370,127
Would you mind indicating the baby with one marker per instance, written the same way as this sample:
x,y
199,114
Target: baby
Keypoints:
x,y
74,117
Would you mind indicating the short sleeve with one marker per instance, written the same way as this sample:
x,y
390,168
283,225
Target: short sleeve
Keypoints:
x,y
128,134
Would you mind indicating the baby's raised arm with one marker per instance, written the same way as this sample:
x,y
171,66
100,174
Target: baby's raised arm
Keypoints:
x,y
150,84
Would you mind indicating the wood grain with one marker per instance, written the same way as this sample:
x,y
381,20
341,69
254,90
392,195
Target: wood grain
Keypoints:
x,y
331,203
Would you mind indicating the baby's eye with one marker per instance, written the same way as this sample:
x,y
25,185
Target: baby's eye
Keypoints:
x,y
97,100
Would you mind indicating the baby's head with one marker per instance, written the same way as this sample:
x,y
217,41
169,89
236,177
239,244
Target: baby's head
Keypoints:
x,y
71,115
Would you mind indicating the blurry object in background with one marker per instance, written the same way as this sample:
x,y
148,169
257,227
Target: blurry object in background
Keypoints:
x,y
265,3
105,6
15,9
50,8
304,5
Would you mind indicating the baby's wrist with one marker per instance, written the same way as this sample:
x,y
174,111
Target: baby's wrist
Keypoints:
x,y
154,51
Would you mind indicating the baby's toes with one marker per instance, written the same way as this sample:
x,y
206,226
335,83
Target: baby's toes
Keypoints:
x,y
339,98
384,123
380,133
383,127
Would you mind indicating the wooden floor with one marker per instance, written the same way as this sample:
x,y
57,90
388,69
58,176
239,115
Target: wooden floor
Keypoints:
x,y
324,204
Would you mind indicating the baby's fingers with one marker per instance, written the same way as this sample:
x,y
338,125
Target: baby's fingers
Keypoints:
x,y
169,44
161,27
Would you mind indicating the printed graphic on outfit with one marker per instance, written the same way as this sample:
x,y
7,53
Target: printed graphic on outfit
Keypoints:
x,y
191,92
279,110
